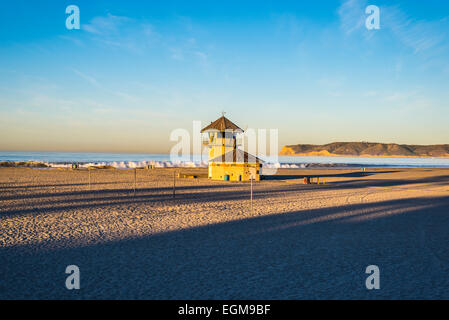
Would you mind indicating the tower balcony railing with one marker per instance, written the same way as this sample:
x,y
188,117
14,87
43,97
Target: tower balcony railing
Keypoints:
x,y
220,144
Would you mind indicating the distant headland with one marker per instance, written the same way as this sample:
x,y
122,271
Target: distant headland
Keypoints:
x,y
367,149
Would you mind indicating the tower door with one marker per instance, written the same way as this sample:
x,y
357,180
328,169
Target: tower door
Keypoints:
x,y
252,173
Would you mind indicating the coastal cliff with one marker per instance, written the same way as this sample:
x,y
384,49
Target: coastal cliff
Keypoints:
x,y
367,149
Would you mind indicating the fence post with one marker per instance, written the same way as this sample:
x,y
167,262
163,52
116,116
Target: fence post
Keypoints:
x,y
174,183
135,180
251,194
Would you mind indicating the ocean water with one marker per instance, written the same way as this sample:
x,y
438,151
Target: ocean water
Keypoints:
x,y
381,162
81,157
132,160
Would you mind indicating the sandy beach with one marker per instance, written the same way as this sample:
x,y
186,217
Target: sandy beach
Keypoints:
x,y
298,241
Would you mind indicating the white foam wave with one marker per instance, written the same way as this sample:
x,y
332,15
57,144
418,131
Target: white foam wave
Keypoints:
x,y
162,164
134,164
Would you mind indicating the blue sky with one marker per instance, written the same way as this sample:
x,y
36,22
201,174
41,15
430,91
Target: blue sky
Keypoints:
x,y
139,69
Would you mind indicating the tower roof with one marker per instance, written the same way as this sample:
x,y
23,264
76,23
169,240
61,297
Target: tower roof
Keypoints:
x,y
237,156
222,124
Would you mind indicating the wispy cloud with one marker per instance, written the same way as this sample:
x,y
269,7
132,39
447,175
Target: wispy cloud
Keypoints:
x,y
123,96
74,40
351,14
120,32
177,54
88,78
189,49
108,24
138,36
419,35
409,101
127,97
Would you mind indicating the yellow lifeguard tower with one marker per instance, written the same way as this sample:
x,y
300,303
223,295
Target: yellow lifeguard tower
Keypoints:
x,y
226,160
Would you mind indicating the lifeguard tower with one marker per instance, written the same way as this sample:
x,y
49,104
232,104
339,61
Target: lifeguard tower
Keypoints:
x,y
226,160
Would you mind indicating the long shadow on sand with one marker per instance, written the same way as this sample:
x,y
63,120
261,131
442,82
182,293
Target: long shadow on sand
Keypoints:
x,y
357,174
209,193
99,192
320,253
